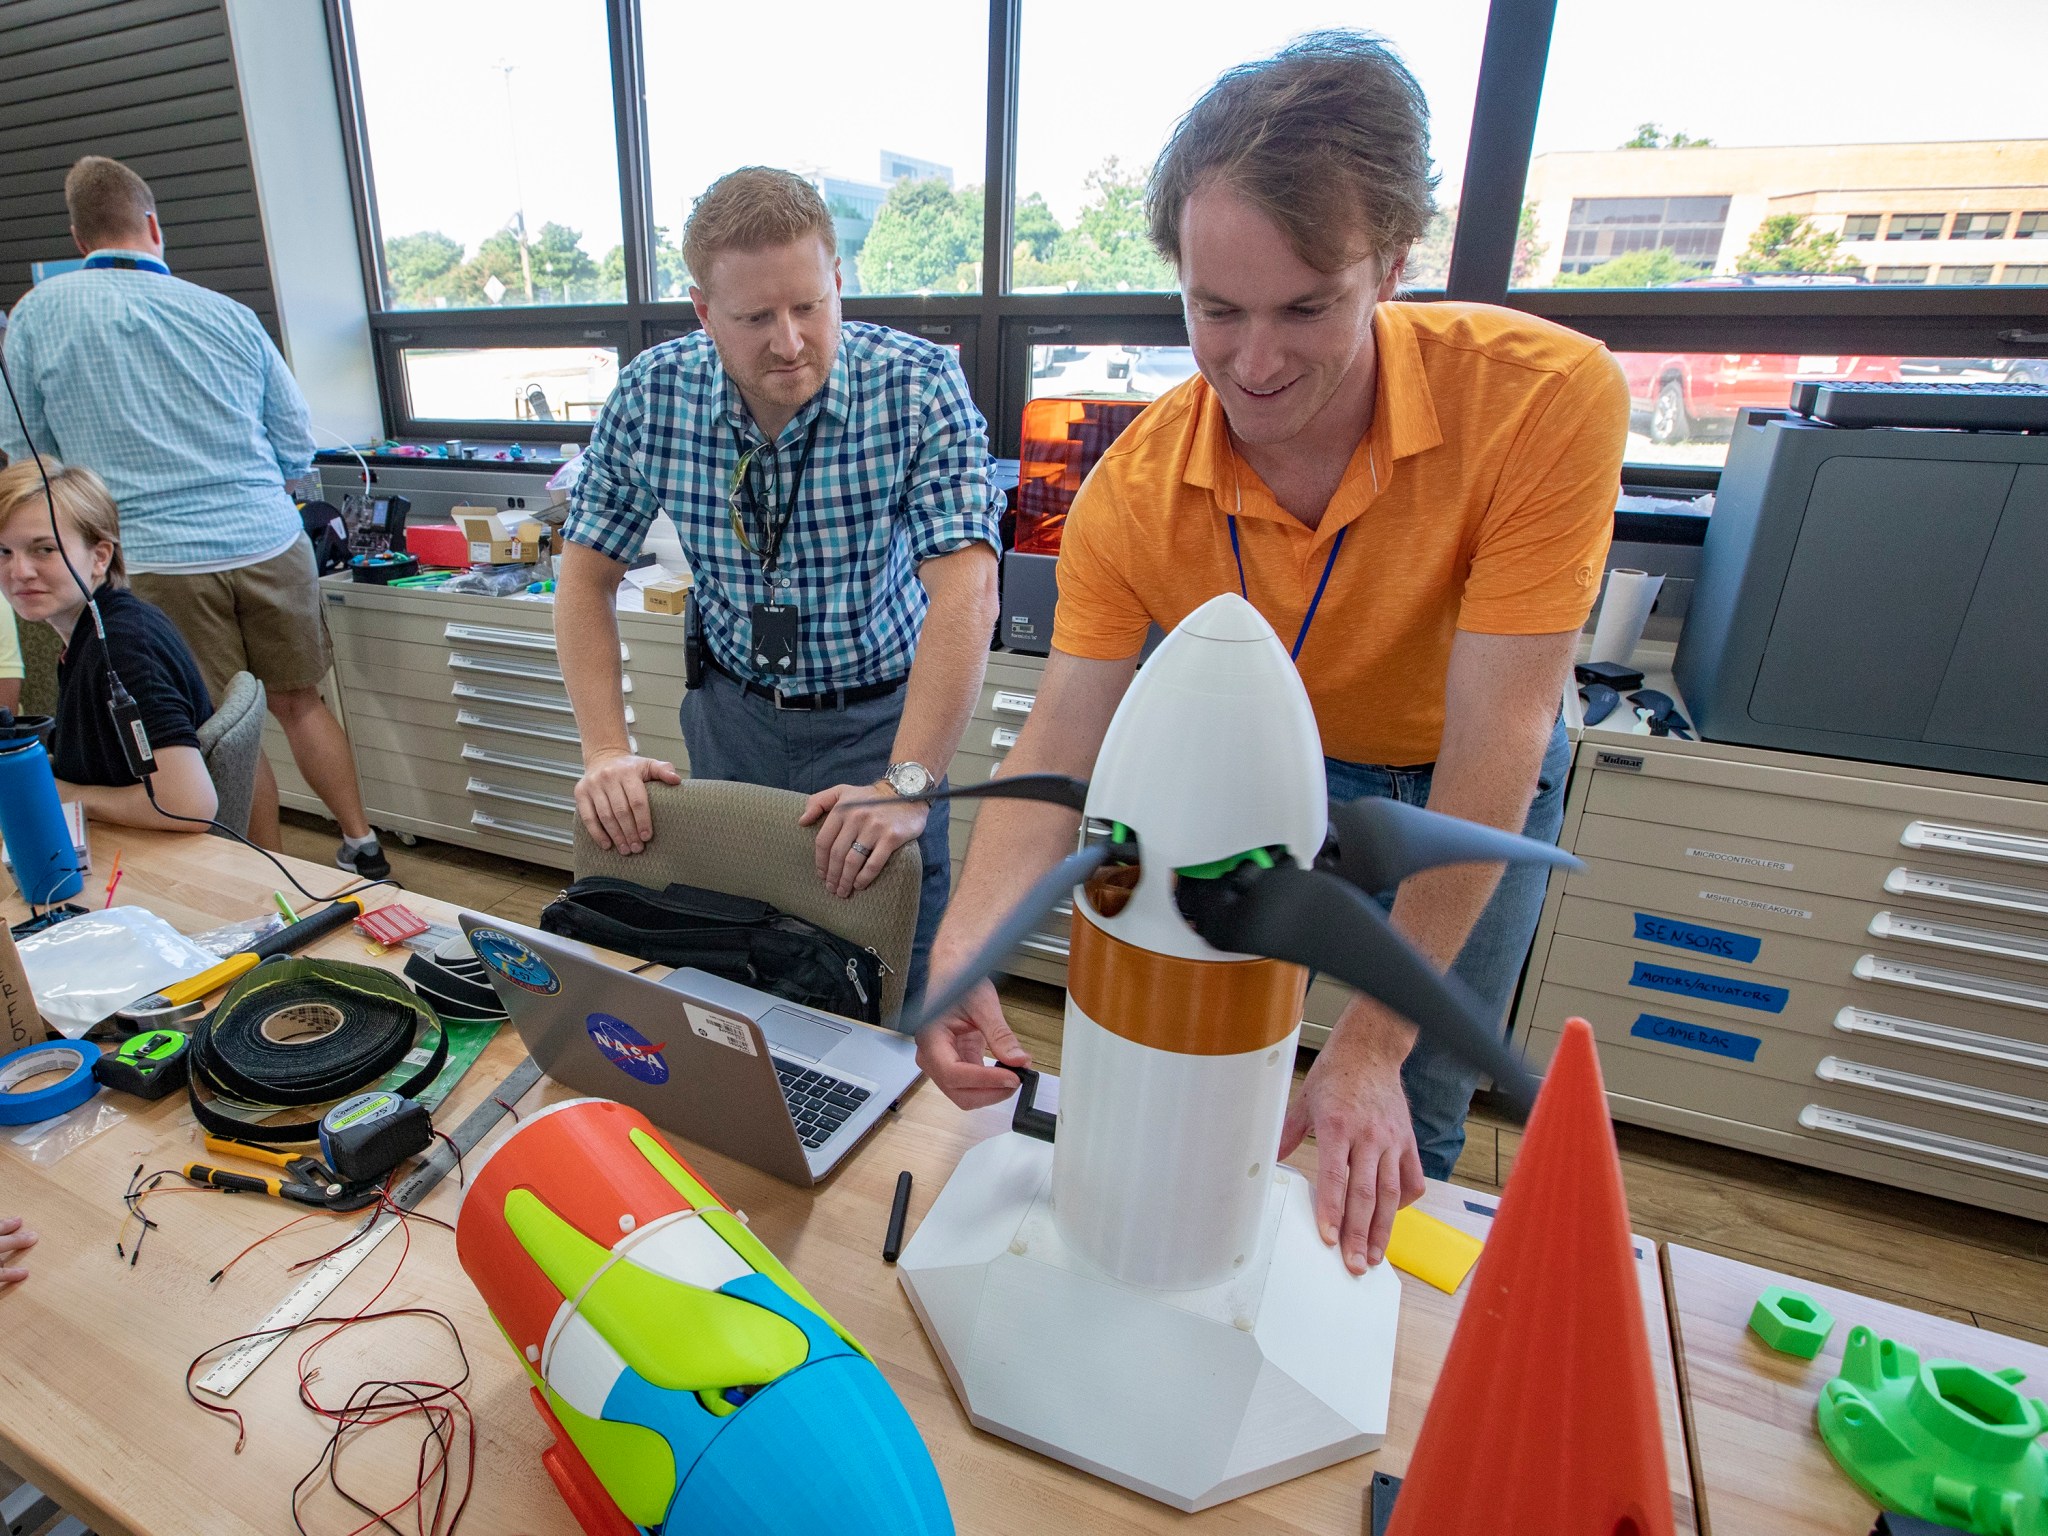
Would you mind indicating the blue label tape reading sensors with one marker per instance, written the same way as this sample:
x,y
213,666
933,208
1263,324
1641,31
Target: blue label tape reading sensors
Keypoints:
x,y
1717,942
1731,990
1695,1037
54,1099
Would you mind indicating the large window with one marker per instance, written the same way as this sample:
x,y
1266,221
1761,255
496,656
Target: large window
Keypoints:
x,y
1650,124
489,136
1728,218
1101,87
884,111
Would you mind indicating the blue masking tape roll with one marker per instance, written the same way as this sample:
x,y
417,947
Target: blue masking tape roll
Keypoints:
x,y
57,1099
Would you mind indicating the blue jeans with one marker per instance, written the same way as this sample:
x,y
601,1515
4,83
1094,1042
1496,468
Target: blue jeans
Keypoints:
x,y
732,734
1439,1086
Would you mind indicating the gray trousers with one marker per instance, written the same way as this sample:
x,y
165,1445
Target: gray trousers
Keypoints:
x,y
733,734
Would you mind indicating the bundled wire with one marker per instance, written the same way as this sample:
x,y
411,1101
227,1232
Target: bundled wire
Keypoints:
x,y
445,1470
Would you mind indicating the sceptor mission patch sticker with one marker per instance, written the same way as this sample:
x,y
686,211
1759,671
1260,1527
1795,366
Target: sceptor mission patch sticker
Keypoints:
x,y
511,959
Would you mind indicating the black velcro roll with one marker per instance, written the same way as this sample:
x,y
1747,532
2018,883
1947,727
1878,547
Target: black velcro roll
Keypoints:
x,y
379,1022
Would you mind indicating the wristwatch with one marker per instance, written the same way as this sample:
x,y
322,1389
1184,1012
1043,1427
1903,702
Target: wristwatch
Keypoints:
x,y
910,779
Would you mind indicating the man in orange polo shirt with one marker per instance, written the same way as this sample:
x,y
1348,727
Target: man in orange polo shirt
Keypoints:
x,y
1418,498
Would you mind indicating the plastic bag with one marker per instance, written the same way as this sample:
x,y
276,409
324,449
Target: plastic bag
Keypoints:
x,y
95,965
494,580
51,1141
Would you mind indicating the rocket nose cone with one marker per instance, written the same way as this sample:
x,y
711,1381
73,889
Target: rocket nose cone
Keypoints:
x,y
1227,617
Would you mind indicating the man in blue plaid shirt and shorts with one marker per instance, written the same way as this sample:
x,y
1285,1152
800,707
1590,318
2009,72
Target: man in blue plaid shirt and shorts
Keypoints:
x,y
830,484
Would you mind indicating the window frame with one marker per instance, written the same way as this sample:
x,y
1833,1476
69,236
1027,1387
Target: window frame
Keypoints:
x,y
995,329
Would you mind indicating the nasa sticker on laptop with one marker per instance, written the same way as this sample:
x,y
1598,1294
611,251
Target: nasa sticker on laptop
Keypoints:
x,y
627,1049
511,959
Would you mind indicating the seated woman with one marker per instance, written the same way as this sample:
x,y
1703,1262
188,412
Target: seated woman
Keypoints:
x,y
151,657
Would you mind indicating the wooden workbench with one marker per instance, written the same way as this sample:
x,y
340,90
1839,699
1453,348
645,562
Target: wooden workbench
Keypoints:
x,y
1757,1451
92,1351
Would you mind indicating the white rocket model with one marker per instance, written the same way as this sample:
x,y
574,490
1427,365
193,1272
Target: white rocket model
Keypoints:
x,y
1147,1297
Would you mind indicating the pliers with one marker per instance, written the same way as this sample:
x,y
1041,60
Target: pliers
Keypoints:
x,y
308,1181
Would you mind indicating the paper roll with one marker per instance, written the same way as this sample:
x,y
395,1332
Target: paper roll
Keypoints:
x,y
1623,612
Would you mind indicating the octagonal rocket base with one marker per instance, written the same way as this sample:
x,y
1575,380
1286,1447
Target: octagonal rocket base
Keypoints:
x,y
1192,1398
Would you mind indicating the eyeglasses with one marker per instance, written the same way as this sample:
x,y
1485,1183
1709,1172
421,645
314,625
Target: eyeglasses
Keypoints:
x,y
741,498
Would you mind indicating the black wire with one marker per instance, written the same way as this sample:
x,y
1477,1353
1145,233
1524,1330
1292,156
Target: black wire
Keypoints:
x,y
149,789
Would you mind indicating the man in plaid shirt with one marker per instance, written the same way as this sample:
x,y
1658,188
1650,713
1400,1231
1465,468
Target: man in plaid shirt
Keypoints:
x,y
830,485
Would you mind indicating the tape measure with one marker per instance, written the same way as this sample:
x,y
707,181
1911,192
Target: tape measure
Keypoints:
x,y
369,1135
147,1065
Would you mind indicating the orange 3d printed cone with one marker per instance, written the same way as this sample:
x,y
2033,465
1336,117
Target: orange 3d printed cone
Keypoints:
x,y
1545,1418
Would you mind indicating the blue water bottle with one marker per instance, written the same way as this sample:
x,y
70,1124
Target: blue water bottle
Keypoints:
x,y
31,816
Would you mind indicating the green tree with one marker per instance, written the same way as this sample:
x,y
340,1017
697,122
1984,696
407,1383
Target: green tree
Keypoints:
x,y
563,272
1650,136
1658,267
415,264
920,242
1035,228
1429,259
1110,245
1786,242
497,255
1528,249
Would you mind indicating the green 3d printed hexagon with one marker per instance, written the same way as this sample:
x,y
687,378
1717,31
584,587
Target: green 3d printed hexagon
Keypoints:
x,y
1939,1440
1791,1322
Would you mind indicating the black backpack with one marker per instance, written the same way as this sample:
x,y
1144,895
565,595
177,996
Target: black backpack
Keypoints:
x,y
734,937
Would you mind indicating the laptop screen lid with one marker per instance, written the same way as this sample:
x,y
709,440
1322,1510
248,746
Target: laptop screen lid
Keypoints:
x,y
703,1074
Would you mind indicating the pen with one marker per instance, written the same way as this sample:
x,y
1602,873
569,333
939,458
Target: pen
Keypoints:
x,y
113,879
893,1243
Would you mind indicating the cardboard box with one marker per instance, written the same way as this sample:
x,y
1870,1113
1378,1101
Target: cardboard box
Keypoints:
x,y
489,543
667,595
528,536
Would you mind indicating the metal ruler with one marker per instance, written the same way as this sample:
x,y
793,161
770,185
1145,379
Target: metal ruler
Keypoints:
x,y
303,1299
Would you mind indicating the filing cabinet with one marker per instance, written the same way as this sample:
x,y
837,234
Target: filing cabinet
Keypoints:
x,y
461,723
1842,964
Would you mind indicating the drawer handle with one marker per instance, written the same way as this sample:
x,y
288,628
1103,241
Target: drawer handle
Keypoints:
x,y
1981,893
1932,1090
475,754
524,829
1990,845
1942,1037
529,671
1983,941
521,700
538,797
1929,978
485,634
517,639
1007,703
1907,1138
1053,949
544,732
1002,738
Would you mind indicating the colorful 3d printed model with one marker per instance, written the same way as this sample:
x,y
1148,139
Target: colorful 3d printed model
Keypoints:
x,y
1791,1322
691,1384
1147,1297
1938,1439
1546,1417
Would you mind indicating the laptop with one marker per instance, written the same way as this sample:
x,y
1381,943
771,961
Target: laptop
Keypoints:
x,y
784,1088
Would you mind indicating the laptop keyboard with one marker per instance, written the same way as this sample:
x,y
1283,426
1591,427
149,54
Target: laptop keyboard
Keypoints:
x,y
819,1103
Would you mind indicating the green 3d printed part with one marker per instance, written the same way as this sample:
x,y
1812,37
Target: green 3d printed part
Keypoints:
x,y
1791,1322
1940,1440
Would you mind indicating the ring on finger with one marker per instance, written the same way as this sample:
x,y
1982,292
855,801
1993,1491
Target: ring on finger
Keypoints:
x,y
861,849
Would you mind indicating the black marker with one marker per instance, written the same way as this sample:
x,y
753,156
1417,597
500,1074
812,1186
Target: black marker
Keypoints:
x,y
898,1209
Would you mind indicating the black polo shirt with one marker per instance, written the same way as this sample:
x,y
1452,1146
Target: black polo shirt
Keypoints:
x,y
156,666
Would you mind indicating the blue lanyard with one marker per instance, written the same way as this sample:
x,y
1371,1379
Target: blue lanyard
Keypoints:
x,y
1314,603
101,263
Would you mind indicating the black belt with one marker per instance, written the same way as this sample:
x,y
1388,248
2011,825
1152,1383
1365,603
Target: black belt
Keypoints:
x,y
831,698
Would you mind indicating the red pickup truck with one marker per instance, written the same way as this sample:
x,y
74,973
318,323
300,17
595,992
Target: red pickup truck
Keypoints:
x,y
1675,396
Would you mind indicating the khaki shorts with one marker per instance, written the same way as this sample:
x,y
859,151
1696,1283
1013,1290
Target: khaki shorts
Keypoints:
x,y
266,618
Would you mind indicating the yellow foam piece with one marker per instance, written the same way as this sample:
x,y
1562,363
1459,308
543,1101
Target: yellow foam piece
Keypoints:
x,y
1432,1251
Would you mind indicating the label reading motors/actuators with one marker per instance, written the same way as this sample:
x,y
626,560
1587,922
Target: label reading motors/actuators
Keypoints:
x,y
733,1034
1706,988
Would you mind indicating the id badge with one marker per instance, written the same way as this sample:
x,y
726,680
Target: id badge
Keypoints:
x,y
775,636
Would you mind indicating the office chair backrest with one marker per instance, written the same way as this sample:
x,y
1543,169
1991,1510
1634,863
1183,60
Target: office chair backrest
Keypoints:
x,y
743,840
230,744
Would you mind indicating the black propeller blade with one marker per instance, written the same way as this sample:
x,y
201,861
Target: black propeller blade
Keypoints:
x,y
1051,788
1314,918
1382,842
1051,888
